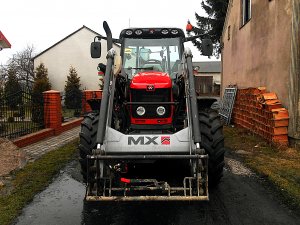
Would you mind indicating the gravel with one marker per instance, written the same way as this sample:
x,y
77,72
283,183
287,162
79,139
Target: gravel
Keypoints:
x,y
11,157
238,168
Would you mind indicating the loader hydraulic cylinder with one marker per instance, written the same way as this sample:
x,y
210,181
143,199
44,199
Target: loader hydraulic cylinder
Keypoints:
x,y
193,98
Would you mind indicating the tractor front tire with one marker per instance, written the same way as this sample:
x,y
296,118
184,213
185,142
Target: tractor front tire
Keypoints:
x,y
87,143
212,140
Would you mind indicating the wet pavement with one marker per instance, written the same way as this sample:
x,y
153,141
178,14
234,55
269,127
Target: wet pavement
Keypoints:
x,y
240,199
60,203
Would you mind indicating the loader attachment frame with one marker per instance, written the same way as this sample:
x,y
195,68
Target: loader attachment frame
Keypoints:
x,y
192,189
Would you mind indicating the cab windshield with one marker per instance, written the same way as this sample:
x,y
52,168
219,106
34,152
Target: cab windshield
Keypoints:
x,y
161,55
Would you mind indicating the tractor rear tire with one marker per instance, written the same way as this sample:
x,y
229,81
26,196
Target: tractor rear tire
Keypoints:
x,y
212,140
87,143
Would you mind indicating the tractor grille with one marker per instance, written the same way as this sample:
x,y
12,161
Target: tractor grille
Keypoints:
x,y
159,95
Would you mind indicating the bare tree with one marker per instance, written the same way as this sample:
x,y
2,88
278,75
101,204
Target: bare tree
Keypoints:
x,y
23,64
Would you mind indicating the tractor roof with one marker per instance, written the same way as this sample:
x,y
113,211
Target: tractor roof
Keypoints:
x,y
151,33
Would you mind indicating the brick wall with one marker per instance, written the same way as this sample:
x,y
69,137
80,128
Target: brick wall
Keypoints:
x,y
262,113
33,137
52,118
52,110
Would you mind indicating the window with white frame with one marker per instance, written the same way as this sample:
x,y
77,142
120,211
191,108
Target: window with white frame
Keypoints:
x,y
246,11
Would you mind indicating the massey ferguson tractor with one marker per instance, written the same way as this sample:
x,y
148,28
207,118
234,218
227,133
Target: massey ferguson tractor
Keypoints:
x,y
149,138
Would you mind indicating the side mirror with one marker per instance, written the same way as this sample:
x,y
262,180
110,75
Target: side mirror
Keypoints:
x,y
207,47
95,50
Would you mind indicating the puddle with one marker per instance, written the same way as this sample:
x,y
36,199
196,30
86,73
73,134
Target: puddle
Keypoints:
x,y
60,203
155,213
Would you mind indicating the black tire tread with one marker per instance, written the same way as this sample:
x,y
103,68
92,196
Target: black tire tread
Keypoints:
x,y
87,141
212,139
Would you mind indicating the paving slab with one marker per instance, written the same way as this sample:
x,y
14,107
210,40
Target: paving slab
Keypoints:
x,y
38,149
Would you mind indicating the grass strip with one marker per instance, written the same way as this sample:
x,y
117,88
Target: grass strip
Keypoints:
x,y
280,166
32,179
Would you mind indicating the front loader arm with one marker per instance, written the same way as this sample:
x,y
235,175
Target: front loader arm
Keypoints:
x,y
105,94
192,99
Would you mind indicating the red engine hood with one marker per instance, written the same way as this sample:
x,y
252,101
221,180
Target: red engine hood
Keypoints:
x,y
158,79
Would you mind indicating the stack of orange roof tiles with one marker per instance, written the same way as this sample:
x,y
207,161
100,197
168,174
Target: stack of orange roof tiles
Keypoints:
x,y
262,113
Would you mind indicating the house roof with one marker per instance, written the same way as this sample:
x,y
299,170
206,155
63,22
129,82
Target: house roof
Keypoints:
x,y
208,67
4,43
83,27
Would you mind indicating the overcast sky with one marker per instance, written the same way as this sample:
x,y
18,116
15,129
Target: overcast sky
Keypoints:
x,y
43,23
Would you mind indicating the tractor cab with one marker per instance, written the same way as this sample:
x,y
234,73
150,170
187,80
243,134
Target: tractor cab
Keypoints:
x,y
151,49
151,79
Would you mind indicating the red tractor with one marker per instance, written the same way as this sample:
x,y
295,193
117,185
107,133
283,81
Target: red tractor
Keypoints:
x,y
149,137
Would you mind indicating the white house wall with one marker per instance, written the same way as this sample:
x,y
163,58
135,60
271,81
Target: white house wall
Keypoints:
x,y
73,51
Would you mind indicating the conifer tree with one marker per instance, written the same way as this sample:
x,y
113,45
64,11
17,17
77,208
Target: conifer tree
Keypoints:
x,y
12,89
213,23
41,80
72,90
41,84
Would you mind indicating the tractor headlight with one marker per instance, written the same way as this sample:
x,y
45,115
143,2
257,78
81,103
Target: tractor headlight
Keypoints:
x,y
174,31
164,31
128,32
140,111
138,32
161,110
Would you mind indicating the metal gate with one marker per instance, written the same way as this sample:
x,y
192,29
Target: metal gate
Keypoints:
x,y
227,104
21,113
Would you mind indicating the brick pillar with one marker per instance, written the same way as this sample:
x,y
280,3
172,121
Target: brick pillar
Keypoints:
x,y
87,95
52,110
